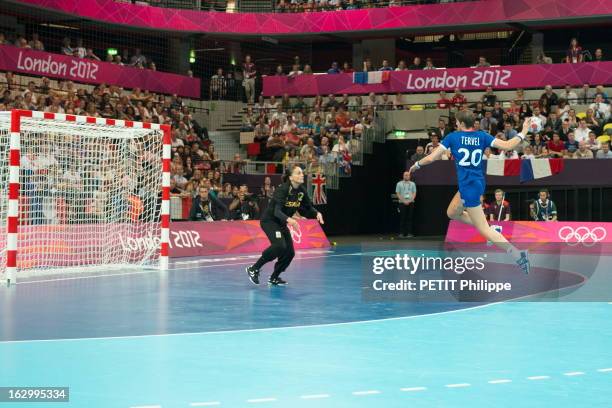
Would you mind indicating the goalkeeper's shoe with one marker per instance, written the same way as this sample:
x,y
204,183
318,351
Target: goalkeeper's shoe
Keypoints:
x,y
253,274
277,282
523,262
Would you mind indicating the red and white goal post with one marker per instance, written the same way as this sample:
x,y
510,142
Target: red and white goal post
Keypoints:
x,y
82,193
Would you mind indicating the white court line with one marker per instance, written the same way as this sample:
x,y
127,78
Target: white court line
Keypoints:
x,y
315,396
413,389
538,377
204,404
605,370
260,400
502,381
574,373
460,385
146,406
369,392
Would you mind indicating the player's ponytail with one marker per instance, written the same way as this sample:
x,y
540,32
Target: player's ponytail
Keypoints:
x,y
287,174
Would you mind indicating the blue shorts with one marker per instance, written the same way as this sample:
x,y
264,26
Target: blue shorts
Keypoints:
x,y
471,191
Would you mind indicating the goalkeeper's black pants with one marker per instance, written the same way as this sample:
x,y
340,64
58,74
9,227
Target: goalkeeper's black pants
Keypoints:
x,y
281,247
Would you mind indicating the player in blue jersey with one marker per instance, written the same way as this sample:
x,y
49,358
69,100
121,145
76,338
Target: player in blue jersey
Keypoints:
x,y
467,146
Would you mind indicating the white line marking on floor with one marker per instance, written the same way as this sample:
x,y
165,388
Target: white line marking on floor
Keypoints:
x,y
605,370
460,385
205,404
538,377
574,373
260,400
369,392
502,381
411,389
315,396
146,406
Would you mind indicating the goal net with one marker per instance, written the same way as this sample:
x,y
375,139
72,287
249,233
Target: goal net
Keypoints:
x,y
89,194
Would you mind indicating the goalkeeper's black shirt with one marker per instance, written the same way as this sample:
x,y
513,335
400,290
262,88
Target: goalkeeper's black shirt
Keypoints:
x,y
286,201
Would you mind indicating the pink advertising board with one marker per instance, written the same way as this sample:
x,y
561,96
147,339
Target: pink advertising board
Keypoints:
x,y
492,12
579,237
236,237
95,72
503,77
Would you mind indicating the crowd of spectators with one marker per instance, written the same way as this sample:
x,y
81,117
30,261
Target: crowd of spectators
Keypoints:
x,y
326,131
565,132
78,49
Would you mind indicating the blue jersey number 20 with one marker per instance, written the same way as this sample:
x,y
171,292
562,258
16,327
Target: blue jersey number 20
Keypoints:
x,y
468,159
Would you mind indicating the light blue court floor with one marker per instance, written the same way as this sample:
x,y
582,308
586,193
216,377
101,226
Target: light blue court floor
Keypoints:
x,y
201,335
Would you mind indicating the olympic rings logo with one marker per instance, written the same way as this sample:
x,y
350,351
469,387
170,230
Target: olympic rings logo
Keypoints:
x,y
582,235
296,234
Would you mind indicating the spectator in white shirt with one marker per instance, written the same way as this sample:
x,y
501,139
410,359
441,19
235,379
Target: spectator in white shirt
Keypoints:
x,y
593,143
582,131
583,152
605,152
67,48
79,51
569,95
295,71
601,109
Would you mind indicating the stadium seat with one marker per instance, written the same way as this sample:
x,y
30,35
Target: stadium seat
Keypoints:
x,y
417,107
603,139
608,126
581,115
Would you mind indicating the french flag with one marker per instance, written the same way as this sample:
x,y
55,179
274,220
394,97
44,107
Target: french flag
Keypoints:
x,y
499,167
373,77
538,168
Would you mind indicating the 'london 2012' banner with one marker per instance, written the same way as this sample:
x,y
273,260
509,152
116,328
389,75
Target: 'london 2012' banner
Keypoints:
x,y
59,66
466,79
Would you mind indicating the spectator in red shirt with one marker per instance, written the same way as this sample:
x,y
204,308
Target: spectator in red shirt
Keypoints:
x,y
458,98
574,53
443,102
499,210
346,68
556,145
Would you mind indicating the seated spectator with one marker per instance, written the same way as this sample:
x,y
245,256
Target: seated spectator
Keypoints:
x,y
574,53
443,102
401,66
346,68
334,68
583,152
556,146
593,143
385,66
386,103
279,71
138,58
331,102
248,120
600,108
416,64
285,103
549,97
586,95
429,64
35,43
79,51
207,207
554,122
598,57
482,62
244,206
398,101
569,95
545,154
67,48
489,98
528,153
458,99
599,90
605,152
295,71
571,146
371,102
582,131
418,154
435,142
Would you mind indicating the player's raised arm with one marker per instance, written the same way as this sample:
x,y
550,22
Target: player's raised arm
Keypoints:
x,y
436,154
515,141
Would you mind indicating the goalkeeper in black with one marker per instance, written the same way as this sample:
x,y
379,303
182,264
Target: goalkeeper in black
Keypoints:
x,y
289,198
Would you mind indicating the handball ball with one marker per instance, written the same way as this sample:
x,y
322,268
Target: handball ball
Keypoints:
x,y
536,125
